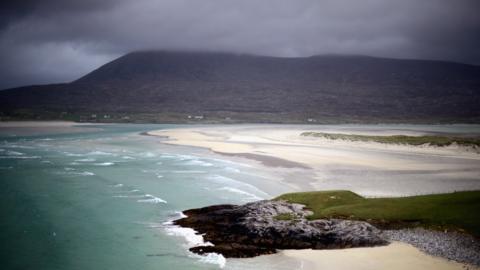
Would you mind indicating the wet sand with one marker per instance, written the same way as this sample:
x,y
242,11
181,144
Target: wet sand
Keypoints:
x,y
368,168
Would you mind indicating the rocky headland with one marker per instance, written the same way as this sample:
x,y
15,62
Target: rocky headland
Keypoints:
x,y
263,227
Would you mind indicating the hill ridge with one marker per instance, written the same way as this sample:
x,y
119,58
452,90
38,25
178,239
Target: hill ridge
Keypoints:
x,y
230,85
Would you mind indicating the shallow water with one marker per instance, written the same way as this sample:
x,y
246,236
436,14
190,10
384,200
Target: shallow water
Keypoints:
x,y
103,199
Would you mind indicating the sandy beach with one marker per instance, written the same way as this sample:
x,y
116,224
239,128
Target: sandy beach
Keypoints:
x,y
370,169
396,256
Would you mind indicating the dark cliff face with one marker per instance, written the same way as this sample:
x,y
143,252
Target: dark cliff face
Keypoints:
x,y
189,82
255,228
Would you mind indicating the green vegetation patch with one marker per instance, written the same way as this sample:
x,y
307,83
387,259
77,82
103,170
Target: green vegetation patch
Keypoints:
x,y
458,210
399,139
286,216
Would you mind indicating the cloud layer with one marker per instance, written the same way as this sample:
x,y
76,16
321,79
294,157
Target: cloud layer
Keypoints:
x,y
60,40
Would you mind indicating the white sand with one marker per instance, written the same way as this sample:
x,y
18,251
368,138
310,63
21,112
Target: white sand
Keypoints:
x,y
368,168
396,256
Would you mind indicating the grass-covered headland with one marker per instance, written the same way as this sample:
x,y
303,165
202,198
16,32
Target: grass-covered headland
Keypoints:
x,y
399,139
457,211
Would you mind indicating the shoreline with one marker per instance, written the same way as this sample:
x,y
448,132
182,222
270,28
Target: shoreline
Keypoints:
x,y
396,256
369,169
268,161
267,233
283,149
35,128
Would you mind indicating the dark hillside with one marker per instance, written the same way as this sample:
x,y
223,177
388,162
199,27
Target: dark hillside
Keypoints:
x,y
318,87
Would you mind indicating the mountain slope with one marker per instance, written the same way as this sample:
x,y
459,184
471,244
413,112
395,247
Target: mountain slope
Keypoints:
x,y
342,87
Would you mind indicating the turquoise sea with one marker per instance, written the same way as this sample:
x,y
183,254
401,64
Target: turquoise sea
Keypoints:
x,y
104,196
103,199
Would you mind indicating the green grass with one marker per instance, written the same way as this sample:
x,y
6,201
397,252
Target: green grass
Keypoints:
x,y
285,216
399,139
458,211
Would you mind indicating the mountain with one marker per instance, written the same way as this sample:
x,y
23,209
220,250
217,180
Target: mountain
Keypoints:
x,y
169,86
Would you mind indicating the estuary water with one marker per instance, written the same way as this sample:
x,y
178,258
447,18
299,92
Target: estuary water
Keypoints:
x,y
103,198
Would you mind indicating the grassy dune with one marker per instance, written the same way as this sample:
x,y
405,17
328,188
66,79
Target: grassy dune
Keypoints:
x,y
458,211
399,139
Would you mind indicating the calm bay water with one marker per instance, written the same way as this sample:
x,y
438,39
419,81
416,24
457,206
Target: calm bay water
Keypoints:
x,y
102,199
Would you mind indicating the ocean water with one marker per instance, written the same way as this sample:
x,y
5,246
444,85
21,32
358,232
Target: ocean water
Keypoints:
x,y
104,199
104,196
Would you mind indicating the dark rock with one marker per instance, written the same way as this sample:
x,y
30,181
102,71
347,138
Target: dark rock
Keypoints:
x,y
252,229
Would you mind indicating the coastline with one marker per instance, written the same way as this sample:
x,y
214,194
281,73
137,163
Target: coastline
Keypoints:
x,y
21,128
284,149
367,168
395,256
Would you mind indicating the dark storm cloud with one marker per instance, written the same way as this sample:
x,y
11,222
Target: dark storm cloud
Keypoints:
x,y
60,40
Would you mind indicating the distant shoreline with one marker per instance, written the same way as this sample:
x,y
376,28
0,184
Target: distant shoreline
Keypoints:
x,y
271,144
23,128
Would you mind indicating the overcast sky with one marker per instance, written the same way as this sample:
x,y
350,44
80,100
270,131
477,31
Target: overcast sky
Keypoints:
x,y
50,41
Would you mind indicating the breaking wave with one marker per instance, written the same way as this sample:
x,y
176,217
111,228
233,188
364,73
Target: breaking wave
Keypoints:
x,y
193,239
151,199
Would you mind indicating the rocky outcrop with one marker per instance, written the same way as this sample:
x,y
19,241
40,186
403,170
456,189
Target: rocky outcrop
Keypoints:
x,y
263,227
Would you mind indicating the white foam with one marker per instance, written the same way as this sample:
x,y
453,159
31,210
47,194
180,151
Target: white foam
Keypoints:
x,y
190,235
179,157
128,157
186,171
231,169
250,196
193,239
167,156
20,146
69,169
100,153
46,161
85,160
159,176
104,164
213,258
73,154
151,199
20,157
235,184
85,173
14,153
149,154
129,196
196,162
118,185
73,172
